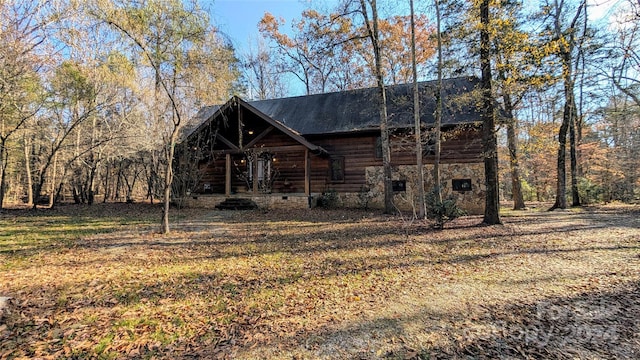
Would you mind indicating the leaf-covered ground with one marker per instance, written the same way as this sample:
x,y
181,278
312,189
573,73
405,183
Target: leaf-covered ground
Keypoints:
x,y
99,282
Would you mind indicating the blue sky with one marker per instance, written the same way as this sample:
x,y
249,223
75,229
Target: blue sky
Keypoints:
x,y
239,19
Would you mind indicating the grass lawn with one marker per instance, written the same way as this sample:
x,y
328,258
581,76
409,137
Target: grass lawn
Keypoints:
x,y
100,282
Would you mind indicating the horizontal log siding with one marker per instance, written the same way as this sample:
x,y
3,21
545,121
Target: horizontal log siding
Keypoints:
x,y
359,152
212,172
458,146
289,164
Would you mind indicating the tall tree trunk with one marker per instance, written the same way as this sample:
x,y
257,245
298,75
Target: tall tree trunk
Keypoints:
x,y
52,195
93,165
489,138
416,118
382,100
91,184
512,144
43,172
561,195
575,195
512,140
168,180
569,114
58,195
106,184
438,118
576,166
27,169
116,194
3,169
150,174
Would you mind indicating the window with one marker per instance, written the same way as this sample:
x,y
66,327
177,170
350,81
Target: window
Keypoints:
x,y
264,167
461,184
399,185
336,168
378,148
264,170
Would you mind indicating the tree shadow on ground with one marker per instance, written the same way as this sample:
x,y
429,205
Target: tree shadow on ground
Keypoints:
x,y
598,324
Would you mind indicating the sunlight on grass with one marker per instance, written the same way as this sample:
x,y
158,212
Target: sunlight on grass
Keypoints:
x,y
102,346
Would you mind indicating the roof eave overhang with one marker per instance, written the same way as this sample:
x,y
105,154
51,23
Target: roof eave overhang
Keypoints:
x,y
372,130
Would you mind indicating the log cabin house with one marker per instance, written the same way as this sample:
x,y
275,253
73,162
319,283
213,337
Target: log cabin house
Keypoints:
x,y
290,152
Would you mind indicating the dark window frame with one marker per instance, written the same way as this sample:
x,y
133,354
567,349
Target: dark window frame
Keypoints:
x,y
399,185
461,185
377,151
336,169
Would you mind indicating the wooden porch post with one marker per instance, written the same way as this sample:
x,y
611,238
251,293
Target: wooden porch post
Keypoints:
x,y
227,177
307,173
254,165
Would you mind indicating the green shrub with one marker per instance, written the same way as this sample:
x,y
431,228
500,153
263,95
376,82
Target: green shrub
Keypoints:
x,y
589,192
442,212
528,191
364,197
328,199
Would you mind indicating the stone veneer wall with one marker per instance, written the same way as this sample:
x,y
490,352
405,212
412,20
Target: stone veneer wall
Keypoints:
x,y
471,201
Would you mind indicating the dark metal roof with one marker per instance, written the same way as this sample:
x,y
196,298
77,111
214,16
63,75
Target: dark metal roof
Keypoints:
x,y
200,118
205,113
357,110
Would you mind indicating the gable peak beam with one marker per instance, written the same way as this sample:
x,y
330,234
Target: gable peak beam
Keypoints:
x,y
280,126
260,136
224,140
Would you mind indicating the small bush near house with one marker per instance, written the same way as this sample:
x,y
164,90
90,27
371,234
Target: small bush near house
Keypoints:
x,y
365,195
328,199
442,212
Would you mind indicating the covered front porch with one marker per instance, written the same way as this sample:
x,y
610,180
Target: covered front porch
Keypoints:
x,y
239,152
258,171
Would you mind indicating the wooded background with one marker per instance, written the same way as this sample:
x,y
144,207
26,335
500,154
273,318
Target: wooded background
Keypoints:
x,y
94,94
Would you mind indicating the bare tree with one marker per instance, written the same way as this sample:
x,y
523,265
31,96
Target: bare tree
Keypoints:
x,y
183,52
73,102
416,119
565,36
22,32
624,50
265,79
373,34
438,117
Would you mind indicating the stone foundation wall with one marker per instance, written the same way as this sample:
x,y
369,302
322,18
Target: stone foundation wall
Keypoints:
x,y
267,201
471,201
284,201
